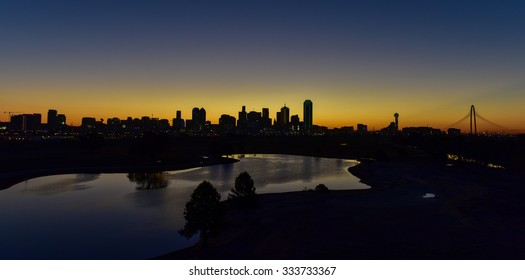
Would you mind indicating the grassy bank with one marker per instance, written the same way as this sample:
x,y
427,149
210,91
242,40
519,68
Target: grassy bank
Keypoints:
x,y
476,213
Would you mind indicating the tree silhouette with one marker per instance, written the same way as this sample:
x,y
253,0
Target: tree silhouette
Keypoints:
x,y
321,188
244,186
149,181
243,194
203,213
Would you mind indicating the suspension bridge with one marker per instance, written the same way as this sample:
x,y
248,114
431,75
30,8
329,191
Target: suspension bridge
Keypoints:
x,y
474,116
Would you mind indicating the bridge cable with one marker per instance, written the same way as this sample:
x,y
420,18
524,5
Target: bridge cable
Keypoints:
x,y
495,124
464,118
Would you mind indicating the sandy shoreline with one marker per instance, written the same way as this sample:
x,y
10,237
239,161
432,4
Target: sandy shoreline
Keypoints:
x,y
476,213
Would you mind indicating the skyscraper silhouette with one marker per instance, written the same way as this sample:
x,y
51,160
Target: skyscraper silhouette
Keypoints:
x,y
265,113
202,118
285,117
52,121
308,114
178,122
198,117
242,122
254,122
266,122
226,124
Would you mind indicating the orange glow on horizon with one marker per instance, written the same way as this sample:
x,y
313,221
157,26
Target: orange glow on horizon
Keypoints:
x,y
332,107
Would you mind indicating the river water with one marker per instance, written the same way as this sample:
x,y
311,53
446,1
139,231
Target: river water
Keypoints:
x,y
138,215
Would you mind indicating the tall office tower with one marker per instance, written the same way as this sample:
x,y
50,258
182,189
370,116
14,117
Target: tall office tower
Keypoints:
x,y
52,121
226,124
198,117
254,122
266,122
195,117
285,116
202,117
265,113
308,114
178,122
242,122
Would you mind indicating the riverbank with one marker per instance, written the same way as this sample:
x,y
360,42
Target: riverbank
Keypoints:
x,y
22,160
415,210
13,177
418,208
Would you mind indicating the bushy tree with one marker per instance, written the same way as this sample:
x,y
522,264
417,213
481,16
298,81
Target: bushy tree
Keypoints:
x,y
321,188
244,186
203,213
243,194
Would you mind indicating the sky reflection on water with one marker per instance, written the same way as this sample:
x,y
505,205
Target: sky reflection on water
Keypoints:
x,y
107,216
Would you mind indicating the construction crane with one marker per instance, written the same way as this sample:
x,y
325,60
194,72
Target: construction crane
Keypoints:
x,y
11,113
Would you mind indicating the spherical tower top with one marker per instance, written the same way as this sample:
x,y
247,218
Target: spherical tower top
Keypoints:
x,y
396,115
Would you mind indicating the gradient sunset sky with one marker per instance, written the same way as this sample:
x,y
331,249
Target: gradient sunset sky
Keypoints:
x,y
358,61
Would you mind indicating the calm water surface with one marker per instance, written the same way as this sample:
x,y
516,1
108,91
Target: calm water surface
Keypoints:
x,y
137,215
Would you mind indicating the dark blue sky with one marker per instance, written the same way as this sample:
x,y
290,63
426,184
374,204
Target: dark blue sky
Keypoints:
x,y
451,53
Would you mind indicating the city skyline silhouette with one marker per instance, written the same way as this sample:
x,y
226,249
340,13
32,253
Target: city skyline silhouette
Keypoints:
x,y
17,121
262,130
359,62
